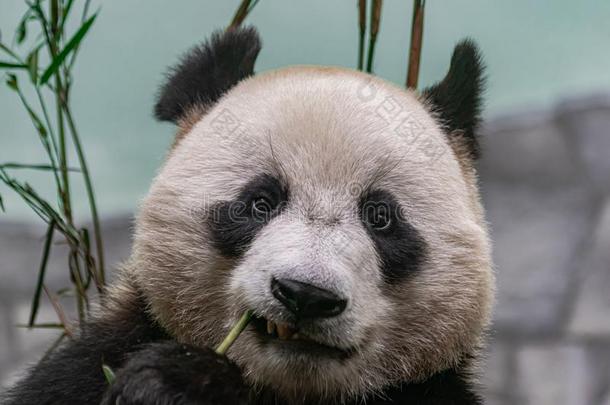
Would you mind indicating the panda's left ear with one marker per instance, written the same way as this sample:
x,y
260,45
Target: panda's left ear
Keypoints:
x,y
457,99
207,71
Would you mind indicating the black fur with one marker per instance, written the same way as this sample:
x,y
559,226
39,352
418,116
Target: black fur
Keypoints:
x,y
401,248
234,224
171,373
448,387
457,99
207,71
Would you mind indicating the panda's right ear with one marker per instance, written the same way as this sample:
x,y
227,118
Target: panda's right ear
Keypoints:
x,y
207,71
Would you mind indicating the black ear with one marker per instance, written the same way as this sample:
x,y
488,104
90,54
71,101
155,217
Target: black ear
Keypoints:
x,y
207,71
457,98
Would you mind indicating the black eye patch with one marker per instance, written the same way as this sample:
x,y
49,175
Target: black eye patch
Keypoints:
x,y
399,245
234,224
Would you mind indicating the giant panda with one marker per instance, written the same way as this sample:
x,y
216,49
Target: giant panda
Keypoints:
x,y
341,209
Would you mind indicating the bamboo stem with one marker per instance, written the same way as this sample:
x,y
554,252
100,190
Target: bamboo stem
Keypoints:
x,y
417,31
240,14
362,27
234,333
375,20
97,228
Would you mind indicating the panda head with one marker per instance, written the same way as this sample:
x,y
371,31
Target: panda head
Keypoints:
x,y
341,209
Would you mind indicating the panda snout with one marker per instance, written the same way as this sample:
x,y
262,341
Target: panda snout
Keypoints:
x,y
306,301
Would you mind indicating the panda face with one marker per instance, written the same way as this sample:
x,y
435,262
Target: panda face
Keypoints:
x,y
333,205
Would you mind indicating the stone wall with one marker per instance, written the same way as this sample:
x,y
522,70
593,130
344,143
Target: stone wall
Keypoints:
x,y
546,185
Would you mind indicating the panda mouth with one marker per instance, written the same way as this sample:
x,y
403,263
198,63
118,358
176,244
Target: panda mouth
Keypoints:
x,y
277,330
290,336
282,331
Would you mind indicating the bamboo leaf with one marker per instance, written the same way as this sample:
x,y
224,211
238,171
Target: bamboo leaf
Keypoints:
x,y
65,14
65,292
59,311
42,208
37,122
11,81
9,65
8,51
41,273
70,46
22,30
32,62
2,204
45,167
108,373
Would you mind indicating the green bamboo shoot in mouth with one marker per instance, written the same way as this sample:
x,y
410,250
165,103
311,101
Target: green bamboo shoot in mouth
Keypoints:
x,y
234,333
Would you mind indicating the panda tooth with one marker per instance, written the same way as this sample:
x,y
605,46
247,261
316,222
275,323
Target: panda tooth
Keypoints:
x,y
270,327
283,331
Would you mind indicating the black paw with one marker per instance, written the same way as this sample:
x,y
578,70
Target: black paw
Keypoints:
x,y
171,373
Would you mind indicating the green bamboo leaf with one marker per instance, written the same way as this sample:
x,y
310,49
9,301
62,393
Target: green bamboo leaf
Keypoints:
x,y
22,31
2,204
42,131
11,81
65,292
65,14
32,62
108,373
8,51
9,65
42,208
70,46
12,165
41,272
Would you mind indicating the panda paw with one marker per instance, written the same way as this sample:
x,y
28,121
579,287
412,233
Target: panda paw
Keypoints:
x,y
172,373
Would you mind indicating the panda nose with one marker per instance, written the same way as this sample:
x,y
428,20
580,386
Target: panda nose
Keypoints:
x,y
307,301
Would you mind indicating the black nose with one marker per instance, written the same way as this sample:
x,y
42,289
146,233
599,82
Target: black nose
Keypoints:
x,y
307,301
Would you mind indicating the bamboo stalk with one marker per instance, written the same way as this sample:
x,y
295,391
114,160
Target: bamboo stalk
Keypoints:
x,y
41,273
234,333
59,311
375,20
241,13
362,27
97,228
417,32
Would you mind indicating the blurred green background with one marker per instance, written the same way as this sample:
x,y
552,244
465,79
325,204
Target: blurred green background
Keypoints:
x,y
536,51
